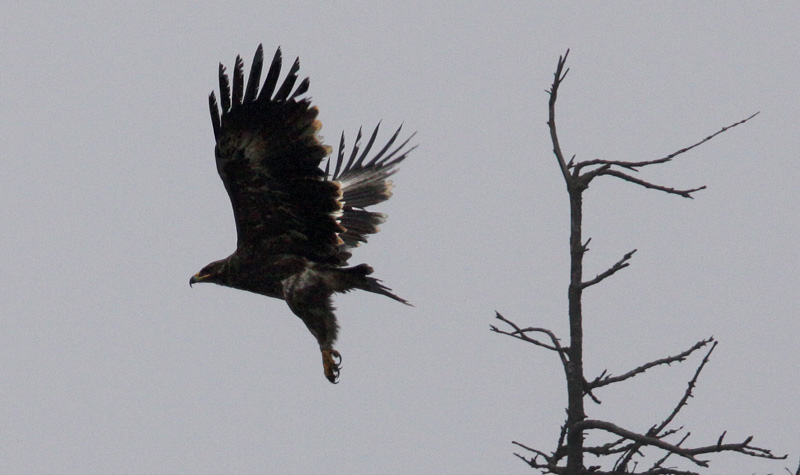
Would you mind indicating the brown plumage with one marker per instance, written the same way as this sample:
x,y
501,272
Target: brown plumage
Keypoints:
x,y
295,223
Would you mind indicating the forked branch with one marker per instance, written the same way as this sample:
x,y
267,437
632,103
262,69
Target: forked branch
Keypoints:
x,y
522,334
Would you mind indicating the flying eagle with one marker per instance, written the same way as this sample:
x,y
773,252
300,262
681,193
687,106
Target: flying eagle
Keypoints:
x,y
295,223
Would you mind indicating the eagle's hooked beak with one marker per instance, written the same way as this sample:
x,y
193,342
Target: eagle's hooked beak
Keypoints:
x,y
195,279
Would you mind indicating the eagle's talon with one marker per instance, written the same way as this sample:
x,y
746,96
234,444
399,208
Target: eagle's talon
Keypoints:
x,y
331,361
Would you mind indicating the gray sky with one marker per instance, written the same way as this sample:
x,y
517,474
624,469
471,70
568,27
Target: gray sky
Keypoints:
x,y
110,363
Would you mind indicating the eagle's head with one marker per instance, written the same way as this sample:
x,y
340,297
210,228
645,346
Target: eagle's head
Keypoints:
x,y
214,273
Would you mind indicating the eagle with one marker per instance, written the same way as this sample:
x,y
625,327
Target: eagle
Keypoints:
x,y
295,222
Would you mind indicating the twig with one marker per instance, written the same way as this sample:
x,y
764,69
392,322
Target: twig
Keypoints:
x,y
535,451
619,265
533,462
663,459
686,149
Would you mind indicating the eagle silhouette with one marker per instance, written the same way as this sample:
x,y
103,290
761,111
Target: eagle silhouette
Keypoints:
x,y
295,223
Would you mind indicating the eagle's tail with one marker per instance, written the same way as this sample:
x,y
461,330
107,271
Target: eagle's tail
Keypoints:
x,y
358,278
365,184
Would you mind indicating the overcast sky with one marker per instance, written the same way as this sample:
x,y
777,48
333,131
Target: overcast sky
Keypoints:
x,y
110,201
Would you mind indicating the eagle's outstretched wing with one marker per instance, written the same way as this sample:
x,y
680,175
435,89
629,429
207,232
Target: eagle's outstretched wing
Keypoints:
x,y
365,184
268,157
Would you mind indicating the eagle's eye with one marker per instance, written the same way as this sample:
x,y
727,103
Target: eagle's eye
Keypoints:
x,y
209,271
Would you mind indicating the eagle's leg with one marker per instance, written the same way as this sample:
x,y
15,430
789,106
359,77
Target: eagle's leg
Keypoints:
x,y
308,294
331,360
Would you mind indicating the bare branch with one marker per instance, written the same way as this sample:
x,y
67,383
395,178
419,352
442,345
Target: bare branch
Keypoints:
x,y
588,391
688,453
687,394
686,149
619,265
652,433
652,471
536,451
549,465
663,459
603,380
656,430
559,76
609,448
665,189
520,333
634,165
642,440
605,166
532,462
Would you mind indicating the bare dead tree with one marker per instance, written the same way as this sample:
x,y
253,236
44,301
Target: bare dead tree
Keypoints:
x,y
625,446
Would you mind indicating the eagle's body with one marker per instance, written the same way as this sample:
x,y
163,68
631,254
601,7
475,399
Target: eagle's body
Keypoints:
x,y
295,222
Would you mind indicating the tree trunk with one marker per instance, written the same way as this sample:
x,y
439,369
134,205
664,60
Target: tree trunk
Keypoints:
x,y
575,410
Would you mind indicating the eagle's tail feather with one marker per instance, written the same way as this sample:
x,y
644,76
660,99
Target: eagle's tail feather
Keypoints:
x,y
374,285
358,279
